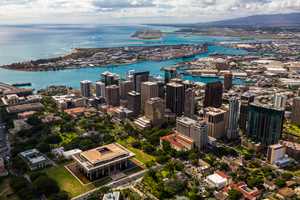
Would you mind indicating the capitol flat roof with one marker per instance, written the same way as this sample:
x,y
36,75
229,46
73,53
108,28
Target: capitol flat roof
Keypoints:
x,y
104,153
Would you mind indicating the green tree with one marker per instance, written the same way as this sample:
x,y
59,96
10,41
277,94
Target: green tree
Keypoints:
x,y
234,194
53,139
280,182
59,196
46,185
34,120
287,176
43,147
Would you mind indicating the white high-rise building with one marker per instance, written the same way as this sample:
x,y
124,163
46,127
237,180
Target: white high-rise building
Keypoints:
x,y
199,133
148,90
233,118
280,101
100,89
197,130
85,88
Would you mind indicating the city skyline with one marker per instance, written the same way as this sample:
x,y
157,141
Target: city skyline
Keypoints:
x,y
136,11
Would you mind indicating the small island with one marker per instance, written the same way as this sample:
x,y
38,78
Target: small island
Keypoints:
x,y
148,34
99,57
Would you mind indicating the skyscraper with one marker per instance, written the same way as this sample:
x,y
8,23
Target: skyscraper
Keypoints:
x,y
233,118
199,133
227,81
125,87
265,124
148,90
85,88
213,95
161,89
197,130
112,95
109,78
246,99
296,111
215,118
100,89
280,101
154,111
189,103
139,78
175,98
134,103
170,73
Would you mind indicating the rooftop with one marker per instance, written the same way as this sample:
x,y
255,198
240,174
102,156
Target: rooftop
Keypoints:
x,y
178,140
214,111
102,155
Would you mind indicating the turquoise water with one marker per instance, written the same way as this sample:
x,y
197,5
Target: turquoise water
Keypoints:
x,y
32,42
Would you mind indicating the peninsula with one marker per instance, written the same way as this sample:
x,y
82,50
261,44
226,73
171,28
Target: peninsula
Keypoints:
x,y
95,57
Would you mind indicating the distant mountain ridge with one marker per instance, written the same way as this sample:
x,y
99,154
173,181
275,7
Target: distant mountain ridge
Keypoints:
x,y
274,20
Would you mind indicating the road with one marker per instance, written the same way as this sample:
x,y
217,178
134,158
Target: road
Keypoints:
x,y
123,182
4,145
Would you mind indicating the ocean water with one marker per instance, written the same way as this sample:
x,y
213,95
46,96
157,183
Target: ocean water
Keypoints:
x,y
21,43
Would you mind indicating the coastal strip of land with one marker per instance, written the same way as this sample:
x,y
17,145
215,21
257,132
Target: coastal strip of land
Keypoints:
x,y
94,57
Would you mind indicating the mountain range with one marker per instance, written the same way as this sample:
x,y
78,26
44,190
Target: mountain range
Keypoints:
x,y
274,20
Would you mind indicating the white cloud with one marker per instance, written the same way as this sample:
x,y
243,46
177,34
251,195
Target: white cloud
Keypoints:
x,y
139,11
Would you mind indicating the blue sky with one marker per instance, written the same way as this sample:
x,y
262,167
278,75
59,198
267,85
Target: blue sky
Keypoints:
x,y
136,11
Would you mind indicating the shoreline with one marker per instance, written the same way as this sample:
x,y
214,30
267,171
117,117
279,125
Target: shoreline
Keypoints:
x,y
103,57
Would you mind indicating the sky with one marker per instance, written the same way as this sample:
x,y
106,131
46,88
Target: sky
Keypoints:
x,y
136,11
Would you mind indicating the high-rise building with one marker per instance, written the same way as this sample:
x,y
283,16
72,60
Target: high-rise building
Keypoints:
x,y
170,73
154,111
125,87
265,124
189,102
175,98
112,95
85,88
213,95
246,99
227,81
197,130
296,111
161,89
233,118
134,102
148,90
100,89
199,133
275,152
139,78
215,119
109,78
280,101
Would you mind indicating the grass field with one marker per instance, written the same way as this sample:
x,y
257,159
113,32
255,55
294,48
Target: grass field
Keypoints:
x,y
139,154
67,181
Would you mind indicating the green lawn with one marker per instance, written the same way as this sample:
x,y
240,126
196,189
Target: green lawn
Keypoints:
x,y
139,154
292,129
67,181
67,137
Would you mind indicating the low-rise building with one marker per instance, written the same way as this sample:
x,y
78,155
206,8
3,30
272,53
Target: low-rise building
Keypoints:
x,y
217,180
35,159
178,141
248,193
103,161
112,196
24,108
